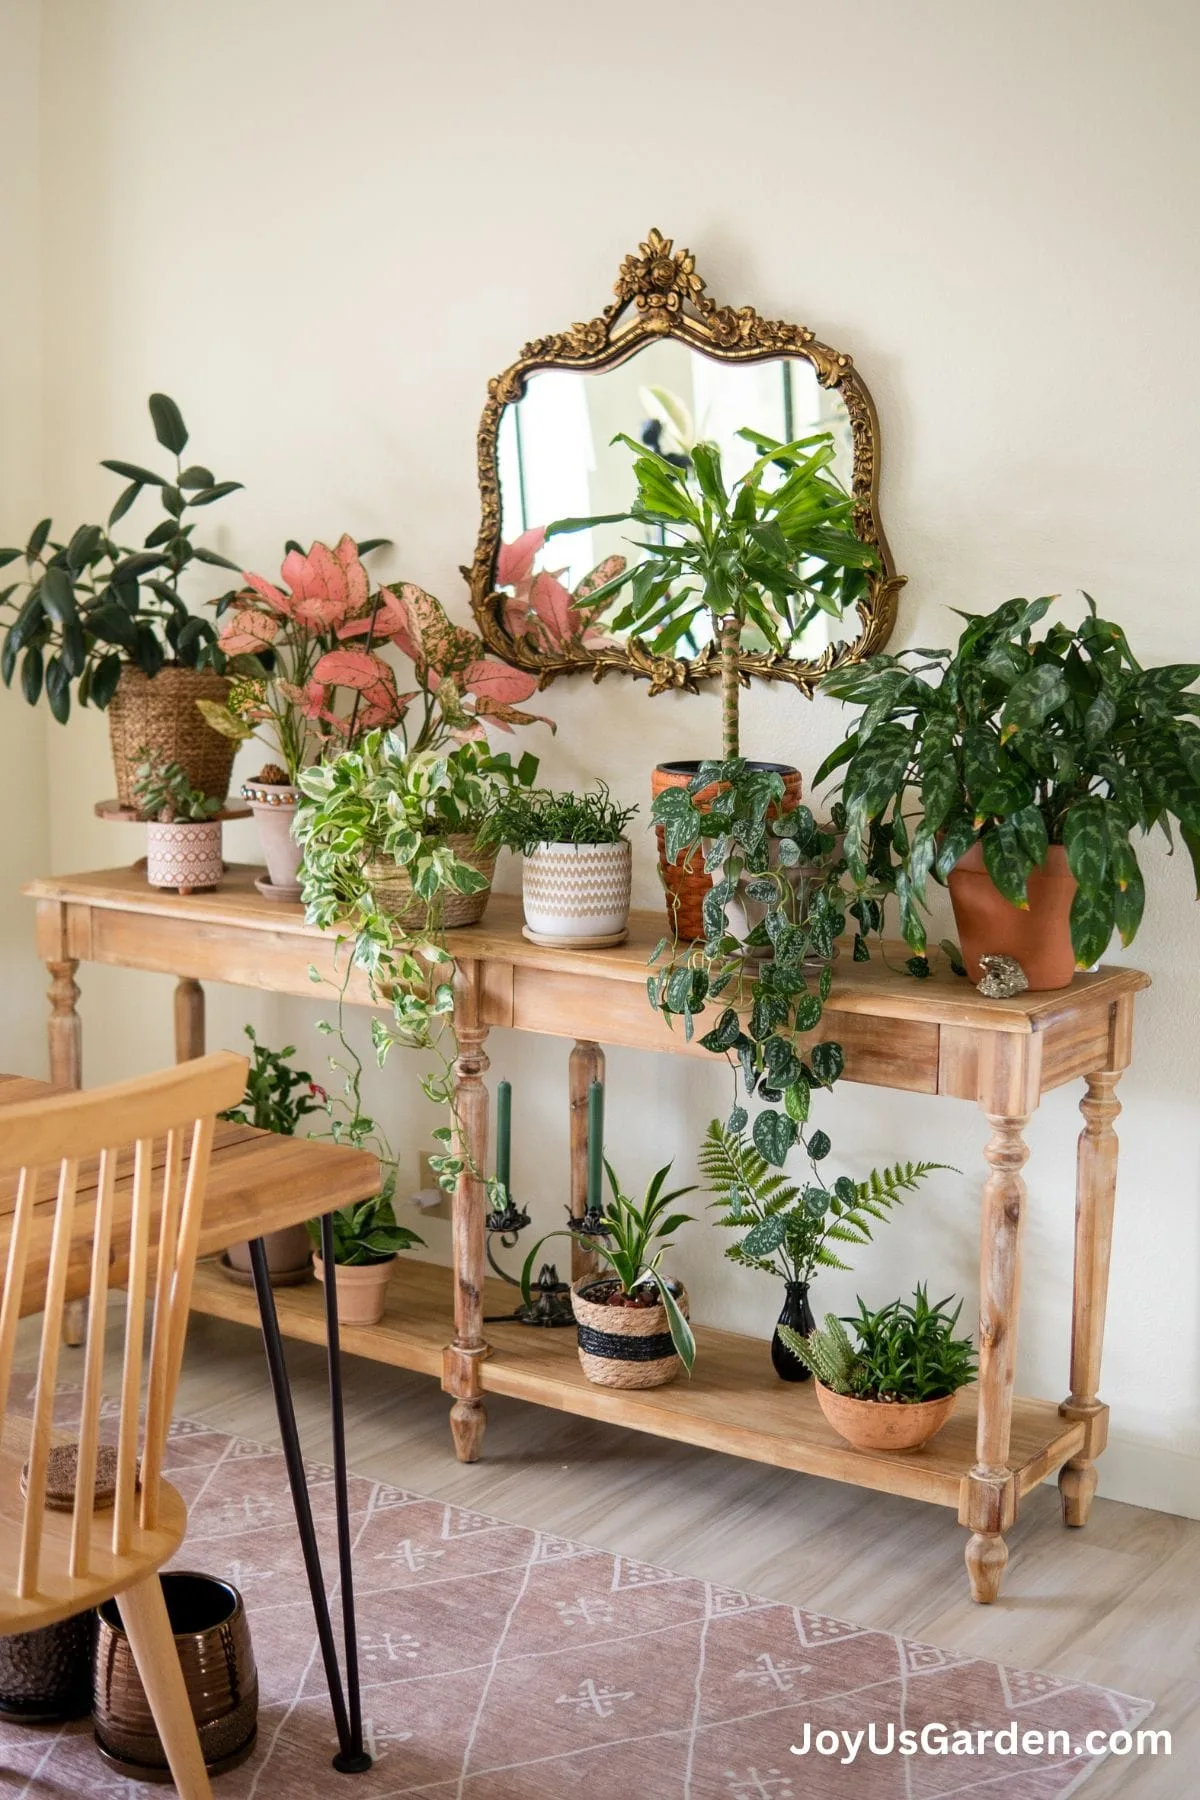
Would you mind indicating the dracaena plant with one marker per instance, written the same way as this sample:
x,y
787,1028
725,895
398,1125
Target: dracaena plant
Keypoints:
x,y
763,555
87,607
1018,741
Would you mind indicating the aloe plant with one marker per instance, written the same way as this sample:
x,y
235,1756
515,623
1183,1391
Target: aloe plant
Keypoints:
x,y
905,1352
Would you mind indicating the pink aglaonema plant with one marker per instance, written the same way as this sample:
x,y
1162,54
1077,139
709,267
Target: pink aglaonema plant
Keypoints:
x,y
540,608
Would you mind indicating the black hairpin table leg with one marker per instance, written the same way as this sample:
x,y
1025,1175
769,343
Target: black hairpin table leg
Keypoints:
x,y
351,1758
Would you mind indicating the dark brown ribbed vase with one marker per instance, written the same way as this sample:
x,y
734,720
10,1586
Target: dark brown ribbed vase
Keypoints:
x,y
685,880
213,1640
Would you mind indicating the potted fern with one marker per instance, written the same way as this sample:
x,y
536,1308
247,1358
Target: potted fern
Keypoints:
x,y
577,870
896,1384
790,1229
183,831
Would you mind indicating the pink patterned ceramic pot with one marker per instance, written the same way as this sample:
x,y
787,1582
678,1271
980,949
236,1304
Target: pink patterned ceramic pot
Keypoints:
x,y
577,891
185,854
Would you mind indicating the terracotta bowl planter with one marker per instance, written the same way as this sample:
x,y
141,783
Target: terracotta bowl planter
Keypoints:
x,y
684,879
213,1641
578,892
624,1346
185,855
274,807
990,925
361,1289
884,1424
393,890
160,715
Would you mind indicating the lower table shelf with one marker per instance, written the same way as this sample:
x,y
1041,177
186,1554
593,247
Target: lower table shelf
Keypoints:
x,y
733,1402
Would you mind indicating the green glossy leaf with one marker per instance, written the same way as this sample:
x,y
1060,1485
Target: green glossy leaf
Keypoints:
x,y
1007,862
774,1134
58,595
133,472
1085,838
819,1146
1092,919
169,427
1032,699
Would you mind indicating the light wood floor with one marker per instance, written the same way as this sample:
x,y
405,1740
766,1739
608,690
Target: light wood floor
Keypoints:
x,y
1117,1603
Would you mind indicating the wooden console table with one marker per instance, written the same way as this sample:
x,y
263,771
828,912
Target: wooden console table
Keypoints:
x,y
932,1037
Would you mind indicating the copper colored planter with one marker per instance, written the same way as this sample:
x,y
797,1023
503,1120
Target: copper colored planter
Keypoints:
x,y
685,880
361,1289
990,925
213,1641
884,1424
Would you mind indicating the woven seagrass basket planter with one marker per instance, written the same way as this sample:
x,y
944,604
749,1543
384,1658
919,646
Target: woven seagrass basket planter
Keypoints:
x,y
393,890
625,1346
160,715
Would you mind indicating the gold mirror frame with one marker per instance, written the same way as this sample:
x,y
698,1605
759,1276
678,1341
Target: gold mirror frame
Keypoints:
x,y
669,300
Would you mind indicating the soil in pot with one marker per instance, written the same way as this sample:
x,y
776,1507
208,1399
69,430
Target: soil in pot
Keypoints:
x,y
684,879
990,925
160,715
884,1424
361,1289
625,1339
212,1638
577,892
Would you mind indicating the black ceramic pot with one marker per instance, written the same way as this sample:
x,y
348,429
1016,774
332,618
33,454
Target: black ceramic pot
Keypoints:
x,y
46,1675
798,1314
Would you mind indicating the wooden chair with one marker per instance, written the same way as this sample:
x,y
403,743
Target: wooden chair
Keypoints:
x,y
82,1198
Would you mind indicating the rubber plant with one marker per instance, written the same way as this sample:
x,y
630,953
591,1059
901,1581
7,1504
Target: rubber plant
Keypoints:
x,y
87,606
1019,741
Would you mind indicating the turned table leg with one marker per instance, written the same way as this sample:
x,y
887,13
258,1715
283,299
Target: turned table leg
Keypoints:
x,y
462,1363
189,1019
64,1033
989,1504
1095,1192
586,1065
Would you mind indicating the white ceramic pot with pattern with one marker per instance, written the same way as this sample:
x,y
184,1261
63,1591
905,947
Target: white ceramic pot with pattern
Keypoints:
x,y
578,892
184,854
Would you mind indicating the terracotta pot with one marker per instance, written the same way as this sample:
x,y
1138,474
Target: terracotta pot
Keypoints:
x,y
990,925
625,1346
361,1289
577,890
46,1675
393,891
274,807
884,1424
684,879
213,1641
289,1254
185,855
160,715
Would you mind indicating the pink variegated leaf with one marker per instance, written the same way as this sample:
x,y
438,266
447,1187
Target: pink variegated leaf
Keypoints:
x,y
497,680
608,570
514,562
439,643
245,632
553,606
390,622
280,603
508,716
371,677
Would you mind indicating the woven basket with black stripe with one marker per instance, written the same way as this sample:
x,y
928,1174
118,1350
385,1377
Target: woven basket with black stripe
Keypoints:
x,y
624,1346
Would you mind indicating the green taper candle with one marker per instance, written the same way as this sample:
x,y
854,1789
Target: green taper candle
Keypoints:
x,y
595,1145
503,1132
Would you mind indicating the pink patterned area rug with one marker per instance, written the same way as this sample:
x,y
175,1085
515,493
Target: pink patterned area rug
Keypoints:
x,y
501,1663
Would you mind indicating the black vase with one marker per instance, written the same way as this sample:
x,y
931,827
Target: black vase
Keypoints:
x,y
798,1314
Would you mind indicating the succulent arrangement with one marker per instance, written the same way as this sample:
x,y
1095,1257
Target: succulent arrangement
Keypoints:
x,y
906,1353
164,795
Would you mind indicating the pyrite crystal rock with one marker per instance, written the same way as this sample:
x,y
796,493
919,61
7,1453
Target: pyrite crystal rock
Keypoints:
x,y
1002,977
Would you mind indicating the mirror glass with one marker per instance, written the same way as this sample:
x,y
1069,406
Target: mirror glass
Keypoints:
x,y
556,459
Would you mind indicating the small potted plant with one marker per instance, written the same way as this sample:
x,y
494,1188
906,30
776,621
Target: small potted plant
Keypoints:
x,y
277,1097
366,1242
1016,769
792,1230
897,1384
762,557
183,835
97,619
577,871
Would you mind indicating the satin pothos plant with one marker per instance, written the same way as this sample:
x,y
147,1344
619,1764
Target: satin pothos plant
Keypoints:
x,y
1018,741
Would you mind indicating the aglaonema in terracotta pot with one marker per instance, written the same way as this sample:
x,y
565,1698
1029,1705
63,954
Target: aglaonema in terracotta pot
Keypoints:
x,y
1017,770
895,1385
761,557
366,1243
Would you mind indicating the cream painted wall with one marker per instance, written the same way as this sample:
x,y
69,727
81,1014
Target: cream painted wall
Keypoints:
x,y
322,228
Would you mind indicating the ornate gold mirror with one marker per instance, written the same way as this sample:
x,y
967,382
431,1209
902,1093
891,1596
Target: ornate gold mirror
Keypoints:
x,y
669,369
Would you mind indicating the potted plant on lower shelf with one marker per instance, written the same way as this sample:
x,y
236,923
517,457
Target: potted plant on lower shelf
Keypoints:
x,y
183,835
277,1097
633,1323
896,1385
577,870
1016,770
366,1242
792,1230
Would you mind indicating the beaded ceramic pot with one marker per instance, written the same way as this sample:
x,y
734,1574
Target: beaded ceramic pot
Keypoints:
x,y
578,892
624,1346
185,855
274,807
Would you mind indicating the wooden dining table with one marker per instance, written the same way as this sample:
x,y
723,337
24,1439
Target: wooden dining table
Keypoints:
x,y
258,1182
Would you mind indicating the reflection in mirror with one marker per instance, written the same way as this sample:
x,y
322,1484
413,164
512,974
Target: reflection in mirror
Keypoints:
x,y
557,459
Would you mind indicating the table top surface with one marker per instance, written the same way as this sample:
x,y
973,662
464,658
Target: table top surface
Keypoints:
x,y
257,1182
879,987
